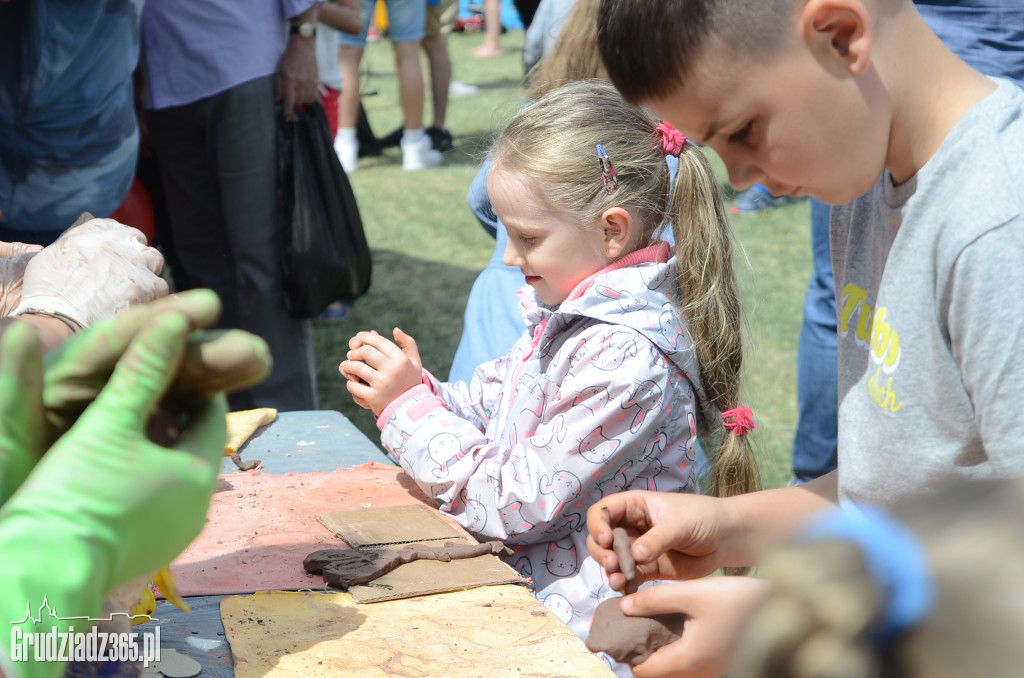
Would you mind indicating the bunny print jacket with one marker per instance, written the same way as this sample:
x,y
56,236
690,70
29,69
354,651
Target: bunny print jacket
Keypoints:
x,y
600,395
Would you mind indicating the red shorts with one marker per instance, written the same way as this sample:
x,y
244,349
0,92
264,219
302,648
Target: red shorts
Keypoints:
x,y
329,98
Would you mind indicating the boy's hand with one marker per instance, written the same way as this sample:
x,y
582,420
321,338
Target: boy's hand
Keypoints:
x,y
378,370
676,536
716,609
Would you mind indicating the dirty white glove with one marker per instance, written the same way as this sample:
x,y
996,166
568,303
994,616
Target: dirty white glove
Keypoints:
x,y
15,257
94,270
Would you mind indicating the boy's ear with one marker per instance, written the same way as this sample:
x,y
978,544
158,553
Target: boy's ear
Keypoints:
x,y
839,30
617,226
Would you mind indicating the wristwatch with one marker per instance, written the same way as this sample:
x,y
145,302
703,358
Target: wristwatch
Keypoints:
x,y
305,30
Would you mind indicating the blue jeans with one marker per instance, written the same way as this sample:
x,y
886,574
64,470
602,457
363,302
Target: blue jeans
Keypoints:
x,y
817,385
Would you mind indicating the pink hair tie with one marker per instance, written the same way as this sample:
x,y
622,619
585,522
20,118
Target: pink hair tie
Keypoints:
x,y
742,420
672,141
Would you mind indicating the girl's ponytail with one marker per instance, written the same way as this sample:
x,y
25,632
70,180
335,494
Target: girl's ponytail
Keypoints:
x,y
710,304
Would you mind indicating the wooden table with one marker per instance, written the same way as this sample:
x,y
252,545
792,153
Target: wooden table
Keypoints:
x,y
308,444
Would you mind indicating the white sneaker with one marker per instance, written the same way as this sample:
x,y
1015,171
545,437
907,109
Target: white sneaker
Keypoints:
x,y
348,154
419,155
461,90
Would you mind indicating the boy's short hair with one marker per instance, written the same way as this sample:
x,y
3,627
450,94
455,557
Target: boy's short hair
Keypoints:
x,y
650,46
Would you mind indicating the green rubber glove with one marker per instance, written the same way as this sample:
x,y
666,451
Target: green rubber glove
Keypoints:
x,y
214,362
104,504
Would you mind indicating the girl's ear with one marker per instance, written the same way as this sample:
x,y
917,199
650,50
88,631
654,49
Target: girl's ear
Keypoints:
x,y
839,31
617,227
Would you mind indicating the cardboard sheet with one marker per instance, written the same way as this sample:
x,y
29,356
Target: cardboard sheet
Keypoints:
x,y
386,526
395,526
493,631
261,526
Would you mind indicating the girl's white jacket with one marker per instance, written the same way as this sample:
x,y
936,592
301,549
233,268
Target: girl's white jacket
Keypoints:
x,y
599,395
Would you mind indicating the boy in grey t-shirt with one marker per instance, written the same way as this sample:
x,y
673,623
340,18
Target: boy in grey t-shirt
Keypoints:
x,y
821,98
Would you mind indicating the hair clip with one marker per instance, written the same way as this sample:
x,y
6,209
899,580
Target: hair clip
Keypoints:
x,y
611,182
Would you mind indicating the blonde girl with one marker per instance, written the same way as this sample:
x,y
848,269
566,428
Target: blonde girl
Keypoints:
x,y
631,351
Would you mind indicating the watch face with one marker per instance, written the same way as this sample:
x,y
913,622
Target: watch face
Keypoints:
x,y
307,30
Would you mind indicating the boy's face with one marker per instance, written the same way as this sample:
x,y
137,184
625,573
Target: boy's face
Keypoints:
x,y
800,124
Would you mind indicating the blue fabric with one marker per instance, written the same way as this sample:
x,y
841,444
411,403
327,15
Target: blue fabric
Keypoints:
x,y
817,385
68,134
895,559
987,34
492,322
407,21
197,49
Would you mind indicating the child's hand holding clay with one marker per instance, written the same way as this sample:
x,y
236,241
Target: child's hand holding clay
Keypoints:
x,y
378,370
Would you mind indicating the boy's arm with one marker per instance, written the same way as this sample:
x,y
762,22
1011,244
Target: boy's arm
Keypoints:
x,y
686,536
342,15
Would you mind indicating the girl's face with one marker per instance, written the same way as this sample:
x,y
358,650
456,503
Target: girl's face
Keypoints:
x,y
553,251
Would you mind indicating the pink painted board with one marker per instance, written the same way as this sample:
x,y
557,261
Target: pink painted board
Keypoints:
x,y
260,527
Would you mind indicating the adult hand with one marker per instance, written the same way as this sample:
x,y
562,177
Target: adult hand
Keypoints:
x,y
94,270
213,362
716,609
104,491
378,371
297,81
12,273
676,536
23,433
104,504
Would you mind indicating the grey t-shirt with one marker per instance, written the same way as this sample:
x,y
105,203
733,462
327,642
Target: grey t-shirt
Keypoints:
x,y
930,290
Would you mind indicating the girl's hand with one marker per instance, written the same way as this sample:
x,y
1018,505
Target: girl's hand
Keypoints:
x,y
675,536
378,371
716,609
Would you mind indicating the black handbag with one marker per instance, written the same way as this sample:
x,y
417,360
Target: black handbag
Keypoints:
x,y
324,253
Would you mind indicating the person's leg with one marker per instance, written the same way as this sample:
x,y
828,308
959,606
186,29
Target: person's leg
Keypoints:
x,y
189,182
406,28
492,30
815,442
350,54
410,83
440,75
244,134
345,142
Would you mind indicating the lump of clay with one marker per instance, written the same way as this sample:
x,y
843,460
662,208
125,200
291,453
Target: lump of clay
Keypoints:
x,y
631,640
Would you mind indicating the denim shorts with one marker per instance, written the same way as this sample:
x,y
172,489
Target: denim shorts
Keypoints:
x,y
407,20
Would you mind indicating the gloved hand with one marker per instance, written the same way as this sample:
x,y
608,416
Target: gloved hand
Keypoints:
x,y
77,371
15,257
214,362
104,504
94,270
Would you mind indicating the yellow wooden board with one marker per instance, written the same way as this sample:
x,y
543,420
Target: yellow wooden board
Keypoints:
x,y
490,632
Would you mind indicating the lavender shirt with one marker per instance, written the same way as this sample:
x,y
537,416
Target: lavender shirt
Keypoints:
x,y
193,50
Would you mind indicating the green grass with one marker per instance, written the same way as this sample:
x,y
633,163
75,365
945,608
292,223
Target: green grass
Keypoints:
x,y
428,249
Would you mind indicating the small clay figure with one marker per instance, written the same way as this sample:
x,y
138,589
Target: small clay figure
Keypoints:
x,y
627,565
349,567
630,640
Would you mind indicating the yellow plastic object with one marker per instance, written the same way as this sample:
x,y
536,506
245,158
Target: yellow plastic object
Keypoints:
x,y
165,582
241,425
146,606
